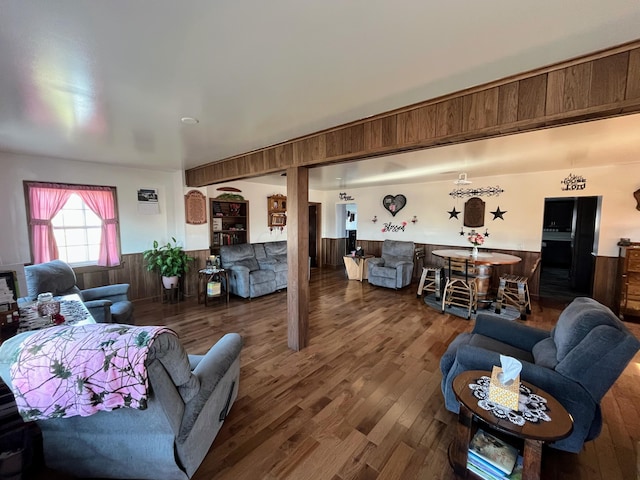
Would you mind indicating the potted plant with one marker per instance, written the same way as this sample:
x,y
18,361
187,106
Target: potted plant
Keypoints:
x,y
170,261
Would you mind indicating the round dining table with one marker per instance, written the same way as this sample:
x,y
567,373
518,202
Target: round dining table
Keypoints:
x,y
483,263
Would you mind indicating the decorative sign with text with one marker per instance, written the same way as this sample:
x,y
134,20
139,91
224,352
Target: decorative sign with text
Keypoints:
x,y
343,196
574,182
392,227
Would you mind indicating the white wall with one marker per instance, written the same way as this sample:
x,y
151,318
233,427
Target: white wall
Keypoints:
x,y
137,231
523,201
521,229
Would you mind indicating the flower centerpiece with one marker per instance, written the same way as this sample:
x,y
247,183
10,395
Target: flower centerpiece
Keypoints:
x,y
475,239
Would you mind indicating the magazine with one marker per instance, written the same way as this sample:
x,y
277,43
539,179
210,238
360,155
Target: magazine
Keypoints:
x,y
494,451
486,473
478,462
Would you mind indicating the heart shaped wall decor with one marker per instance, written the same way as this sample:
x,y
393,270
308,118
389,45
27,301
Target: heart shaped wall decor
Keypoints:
x,y
394,203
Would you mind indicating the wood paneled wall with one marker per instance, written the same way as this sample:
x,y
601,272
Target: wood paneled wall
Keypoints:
x,y
605,275
596,86
147,285
143,284
604,278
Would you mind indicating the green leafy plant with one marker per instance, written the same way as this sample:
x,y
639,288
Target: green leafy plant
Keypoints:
x,y
168,260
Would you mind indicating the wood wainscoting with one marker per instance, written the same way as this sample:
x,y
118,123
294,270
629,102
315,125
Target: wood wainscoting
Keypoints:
x,y
132,270
146,284
603,285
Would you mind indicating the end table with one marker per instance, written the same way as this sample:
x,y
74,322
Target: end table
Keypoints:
x,y
207,275
533,434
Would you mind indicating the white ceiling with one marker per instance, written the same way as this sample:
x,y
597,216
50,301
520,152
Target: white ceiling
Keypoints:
x,y
106,81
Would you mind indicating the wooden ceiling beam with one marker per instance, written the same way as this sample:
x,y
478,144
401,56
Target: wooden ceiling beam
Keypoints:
x,y
596,86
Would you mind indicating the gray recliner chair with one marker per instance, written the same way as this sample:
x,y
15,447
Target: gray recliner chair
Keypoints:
x,y
188,403
394,268
576,362
107,304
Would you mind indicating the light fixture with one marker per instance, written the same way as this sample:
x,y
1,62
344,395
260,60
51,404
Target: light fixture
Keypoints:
x,y
189,120
462,180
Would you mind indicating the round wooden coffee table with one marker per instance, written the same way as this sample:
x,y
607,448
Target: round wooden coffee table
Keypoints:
x,y
533,434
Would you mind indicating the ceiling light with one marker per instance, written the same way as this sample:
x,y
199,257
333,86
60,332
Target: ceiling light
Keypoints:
x,y
462,180
189,120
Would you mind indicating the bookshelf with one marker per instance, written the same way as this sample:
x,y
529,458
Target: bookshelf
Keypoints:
x,y
8,299
229,223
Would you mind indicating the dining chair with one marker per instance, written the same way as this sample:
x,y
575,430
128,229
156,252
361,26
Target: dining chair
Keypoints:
x,y
461,288
514,290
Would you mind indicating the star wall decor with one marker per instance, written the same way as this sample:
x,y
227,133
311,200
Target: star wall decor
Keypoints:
x,y
498,214
453,213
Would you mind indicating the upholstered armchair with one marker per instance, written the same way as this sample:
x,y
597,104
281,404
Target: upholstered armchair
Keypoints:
x,y
576,362
106,304
394,268
188,401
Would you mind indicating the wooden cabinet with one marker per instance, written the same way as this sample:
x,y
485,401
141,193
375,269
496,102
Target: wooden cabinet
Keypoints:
x,y
629,280
277,211
229,223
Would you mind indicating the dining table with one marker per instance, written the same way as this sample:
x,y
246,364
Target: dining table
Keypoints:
x,y
483,262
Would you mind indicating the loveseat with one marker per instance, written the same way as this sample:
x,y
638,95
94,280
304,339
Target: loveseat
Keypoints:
x,y
255,269
576,362
190,397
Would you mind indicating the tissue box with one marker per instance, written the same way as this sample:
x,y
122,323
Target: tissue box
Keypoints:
x,y
213,288
505,395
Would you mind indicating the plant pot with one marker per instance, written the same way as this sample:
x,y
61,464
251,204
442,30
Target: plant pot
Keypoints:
x,y
170,282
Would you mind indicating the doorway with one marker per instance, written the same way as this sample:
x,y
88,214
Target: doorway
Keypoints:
x,y
568,241
314,234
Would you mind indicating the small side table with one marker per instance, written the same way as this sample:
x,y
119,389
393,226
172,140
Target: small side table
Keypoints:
x,y
207,275
356,266
533,434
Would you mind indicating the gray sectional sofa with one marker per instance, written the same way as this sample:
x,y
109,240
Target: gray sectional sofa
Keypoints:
x,y
255,269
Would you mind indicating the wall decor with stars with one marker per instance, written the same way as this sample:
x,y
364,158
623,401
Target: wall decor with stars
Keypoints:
x,y
497,213
454,213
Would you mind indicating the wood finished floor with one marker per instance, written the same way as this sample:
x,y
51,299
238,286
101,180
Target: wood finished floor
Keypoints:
x,y
363,401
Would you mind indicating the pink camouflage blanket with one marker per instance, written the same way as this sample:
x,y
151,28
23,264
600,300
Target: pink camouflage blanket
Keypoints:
x,y
81,370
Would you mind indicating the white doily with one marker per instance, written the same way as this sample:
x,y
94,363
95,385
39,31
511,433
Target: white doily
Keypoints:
x,y
531,407
73,311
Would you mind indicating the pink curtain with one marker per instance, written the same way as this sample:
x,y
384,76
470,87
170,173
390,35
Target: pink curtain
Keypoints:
x,y
102,202
45,203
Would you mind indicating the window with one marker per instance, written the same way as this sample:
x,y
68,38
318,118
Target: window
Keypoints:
x,y
75,223
77,231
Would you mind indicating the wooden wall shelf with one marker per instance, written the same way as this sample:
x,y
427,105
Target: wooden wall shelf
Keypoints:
x,y
277,211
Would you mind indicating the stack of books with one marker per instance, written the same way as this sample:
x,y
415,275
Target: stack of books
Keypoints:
x,y
493,459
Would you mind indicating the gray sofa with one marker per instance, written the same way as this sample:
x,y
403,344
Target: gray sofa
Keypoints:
x,y
107,304
394,268
576,362
189,401
255,269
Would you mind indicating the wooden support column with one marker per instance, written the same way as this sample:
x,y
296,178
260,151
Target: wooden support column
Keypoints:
x,y
298,257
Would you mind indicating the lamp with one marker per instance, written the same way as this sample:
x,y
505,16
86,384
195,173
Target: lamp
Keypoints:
x,y
462,180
